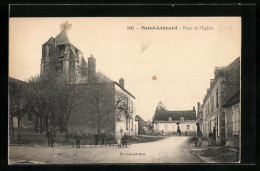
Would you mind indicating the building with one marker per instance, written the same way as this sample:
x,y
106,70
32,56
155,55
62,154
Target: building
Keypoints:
x,y
113,111
168,121
225,84
142,125
199,117
61,56
232,120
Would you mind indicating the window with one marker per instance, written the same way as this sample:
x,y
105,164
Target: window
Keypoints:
x,y
217,126
127,123
132,107
170,119
235,120
212,103
166,126
187,127
217,98
132,123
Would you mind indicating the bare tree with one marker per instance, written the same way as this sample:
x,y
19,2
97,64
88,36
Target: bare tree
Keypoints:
x,y
17,104
161,106
67,99
41,98
104,99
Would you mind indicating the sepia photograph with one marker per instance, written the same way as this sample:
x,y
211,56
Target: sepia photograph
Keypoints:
x,y
124,90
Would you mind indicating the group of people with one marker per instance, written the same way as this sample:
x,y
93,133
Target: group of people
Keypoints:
x,y
122,141
211,137
102,137
96,139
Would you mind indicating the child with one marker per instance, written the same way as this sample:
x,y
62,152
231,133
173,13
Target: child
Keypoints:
x,y
119,142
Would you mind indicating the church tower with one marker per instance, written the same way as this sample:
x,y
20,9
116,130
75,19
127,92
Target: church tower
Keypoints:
x,y
60,56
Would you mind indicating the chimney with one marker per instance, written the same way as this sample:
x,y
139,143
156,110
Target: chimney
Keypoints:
x,y
122,82
91,69
193,108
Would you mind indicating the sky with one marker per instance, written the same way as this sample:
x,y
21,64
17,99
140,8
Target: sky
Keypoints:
x,y
182,60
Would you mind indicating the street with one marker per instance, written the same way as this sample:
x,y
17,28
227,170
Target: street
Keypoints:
x,y
168,150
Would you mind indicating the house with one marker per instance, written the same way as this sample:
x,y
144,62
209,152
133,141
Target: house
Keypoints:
x,y
225,84
232,120
168,121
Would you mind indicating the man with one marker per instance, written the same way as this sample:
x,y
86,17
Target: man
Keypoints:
x,y
124,139
199,137
103,138
96,139
78,137
49,135
214,136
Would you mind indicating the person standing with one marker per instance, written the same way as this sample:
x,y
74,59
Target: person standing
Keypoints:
x,y
210,139
78,137
124,139
119,141
96,139
103,138
200,137
49,135
214,136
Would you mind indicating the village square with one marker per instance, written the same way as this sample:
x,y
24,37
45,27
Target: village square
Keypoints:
x,y
72,113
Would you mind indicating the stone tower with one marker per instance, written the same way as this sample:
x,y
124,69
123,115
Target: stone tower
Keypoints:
x,y
60,56
91,69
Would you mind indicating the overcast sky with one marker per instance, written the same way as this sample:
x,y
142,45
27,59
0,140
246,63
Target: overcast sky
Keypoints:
x,y
183,61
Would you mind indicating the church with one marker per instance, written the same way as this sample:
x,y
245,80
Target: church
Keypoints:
x,y
61,56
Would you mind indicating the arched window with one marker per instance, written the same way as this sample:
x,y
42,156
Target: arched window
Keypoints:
x,y
182,119
170,119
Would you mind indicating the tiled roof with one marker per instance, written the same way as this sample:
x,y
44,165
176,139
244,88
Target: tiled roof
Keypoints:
x,y
161,115
233,100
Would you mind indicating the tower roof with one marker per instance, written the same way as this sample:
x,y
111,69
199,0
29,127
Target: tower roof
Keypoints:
x,y
62,38
50,41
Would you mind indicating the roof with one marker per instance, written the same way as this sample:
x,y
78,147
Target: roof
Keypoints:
x,y
62,38
124,89
233,100
50,41
231,73
162,115
14,80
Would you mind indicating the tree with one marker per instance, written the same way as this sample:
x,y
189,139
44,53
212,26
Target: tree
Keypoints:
x,y
17,104
42,97
161,106
67,99
103,98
